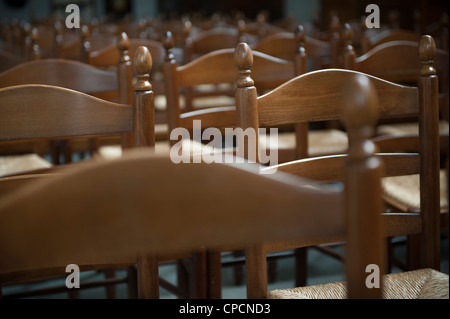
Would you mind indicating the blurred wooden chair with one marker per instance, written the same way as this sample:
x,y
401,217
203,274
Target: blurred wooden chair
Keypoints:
x,y
108,56
143,227
318,96
398,61
285,45
261,28
372,40
37,111
107,85
217,111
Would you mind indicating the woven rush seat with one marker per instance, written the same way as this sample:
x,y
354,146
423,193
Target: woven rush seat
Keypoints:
x,y
418,284
321,142
22,163
407,128
404,191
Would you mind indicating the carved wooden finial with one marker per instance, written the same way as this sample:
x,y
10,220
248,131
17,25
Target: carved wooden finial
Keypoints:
x,y
261,18
242,29
85,32
187,27
361,112
427,53
35,49
349,52
123,44
169,43
300,57
347,35
243,59
335,23
85,44
242,26
142,67
300,35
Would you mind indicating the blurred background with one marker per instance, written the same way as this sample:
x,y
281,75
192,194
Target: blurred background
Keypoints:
x,y
304,11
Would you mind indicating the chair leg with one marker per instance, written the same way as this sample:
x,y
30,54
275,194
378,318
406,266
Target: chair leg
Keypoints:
x,y
413,252
111,291
214,273
272,270
301,266
198,275
238,269
182,276
389,255
148,277
132,285
256,265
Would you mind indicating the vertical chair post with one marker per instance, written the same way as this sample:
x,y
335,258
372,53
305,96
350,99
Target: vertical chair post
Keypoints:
x,y
349,52
429,155
85,44
247,110
144,136
301,148
334,41
143,101
301,67
365,260
125,80
246,103
172,95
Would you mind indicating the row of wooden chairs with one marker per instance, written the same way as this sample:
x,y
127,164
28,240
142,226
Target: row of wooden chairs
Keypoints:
x,y
187,118
173,109
263,213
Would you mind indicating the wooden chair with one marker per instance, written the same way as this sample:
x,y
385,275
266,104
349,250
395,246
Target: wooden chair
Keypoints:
x,y
38,111
213,68
142,226
398,61
299,100
284,46
261,28
108,85
107,57
385,36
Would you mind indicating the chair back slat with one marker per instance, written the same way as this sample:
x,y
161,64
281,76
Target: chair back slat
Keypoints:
x,y
60,72
301,95
41,111
331,167
140,220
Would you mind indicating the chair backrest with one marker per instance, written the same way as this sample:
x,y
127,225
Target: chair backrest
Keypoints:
x,y
285,45
140,222
9,60
209,41
261,28
395,61
369,42
70,74
317,96
109,55
37,111
214,68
